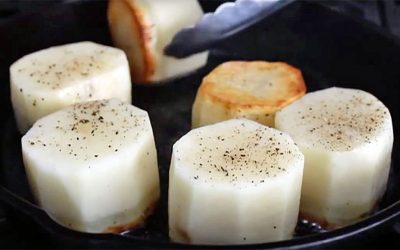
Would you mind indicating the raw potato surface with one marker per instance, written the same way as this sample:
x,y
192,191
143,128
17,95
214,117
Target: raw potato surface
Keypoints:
x,y
234,182
93,166
346,136
51,79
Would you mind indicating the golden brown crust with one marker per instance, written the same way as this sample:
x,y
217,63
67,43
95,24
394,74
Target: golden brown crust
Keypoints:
x,y
143,30
287,86
182,235
122,228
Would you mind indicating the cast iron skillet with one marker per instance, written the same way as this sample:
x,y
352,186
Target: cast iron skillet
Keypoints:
x,y
329,48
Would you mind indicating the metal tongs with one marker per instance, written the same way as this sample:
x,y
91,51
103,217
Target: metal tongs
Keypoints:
x,y
228,19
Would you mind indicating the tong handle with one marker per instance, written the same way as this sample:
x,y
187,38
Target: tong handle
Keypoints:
x,y
228,19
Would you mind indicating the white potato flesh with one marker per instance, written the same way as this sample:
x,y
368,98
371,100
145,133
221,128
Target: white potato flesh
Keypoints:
x,y
234,182
93,166
50,79
346,136
142,28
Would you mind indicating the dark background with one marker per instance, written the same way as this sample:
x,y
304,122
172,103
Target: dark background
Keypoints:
x,y
386,14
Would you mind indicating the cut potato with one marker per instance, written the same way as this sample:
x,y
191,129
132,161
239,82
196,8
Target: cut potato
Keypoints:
x,y
53,78
346,136
93,166
142,28
234,182
253,90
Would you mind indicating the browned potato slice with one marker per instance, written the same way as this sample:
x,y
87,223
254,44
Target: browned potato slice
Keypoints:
x,y
142,28
253,90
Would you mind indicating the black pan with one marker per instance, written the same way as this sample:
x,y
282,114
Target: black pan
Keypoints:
x,y
329,48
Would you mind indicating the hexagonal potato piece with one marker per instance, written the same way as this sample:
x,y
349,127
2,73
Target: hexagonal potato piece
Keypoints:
x,y
50,79
142,28
346,136
93,166
253,90
234,182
